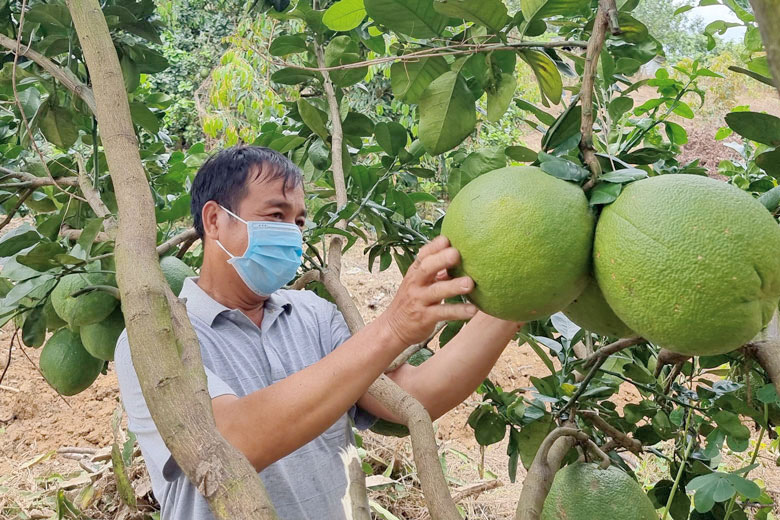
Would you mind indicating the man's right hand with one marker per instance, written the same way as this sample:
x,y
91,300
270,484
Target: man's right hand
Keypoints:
x,y
417,306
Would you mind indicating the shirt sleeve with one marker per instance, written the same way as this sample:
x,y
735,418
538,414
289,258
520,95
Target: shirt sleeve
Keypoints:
x,y
157,456
339,333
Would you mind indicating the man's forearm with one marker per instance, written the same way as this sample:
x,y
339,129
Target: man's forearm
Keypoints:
x,y
274,421
449,377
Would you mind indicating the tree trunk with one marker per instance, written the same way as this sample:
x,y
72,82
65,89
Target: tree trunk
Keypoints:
x,y
768,18
164,347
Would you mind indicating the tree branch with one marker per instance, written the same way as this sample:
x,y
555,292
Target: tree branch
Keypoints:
x,y
63,75
667,357
75,234
595,44
766,350
305,279
768,17
163,345
175,240
622,439
541,474
33,181
92,196
404,356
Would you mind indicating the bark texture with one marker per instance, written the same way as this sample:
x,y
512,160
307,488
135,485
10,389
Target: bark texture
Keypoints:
x,y
164,347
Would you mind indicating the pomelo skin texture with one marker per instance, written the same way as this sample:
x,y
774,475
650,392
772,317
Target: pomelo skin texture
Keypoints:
x,y
592,312
66,365
99,339
583,491
689,263
86,308
525,238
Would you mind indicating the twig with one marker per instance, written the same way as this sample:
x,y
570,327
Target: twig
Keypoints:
x,y
24,196
305,279
667,357
32,181
185,246
10,389
622,439
404,356
61,74
595,44
75,234
176,240
452,50
76,450
113,291
8,362
92,197
595,361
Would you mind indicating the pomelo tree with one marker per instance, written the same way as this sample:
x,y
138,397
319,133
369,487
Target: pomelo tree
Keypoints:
x,y
384,105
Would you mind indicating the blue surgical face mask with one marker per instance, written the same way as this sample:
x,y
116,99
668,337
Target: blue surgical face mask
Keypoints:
x,y
272,256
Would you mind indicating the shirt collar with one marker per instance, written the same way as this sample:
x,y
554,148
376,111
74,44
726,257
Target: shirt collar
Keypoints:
x,y
206,308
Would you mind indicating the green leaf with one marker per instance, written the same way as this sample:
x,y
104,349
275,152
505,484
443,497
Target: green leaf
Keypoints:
x,y
768,394
605,193
314,118
292,76
447,113
499,98
53,14
288,44
631,29
531,437
676,133
87,238
565,169
415,18
766,80
144,118
483,161
684,110
520,153
344,15
20,238
565,127
490,13
343,50
358,124
624,175
409,79
619,106
490,428
534,10
34,328
41,257
771,199
391,136
130,74
756,126
58,128
645,156
547,75
400,203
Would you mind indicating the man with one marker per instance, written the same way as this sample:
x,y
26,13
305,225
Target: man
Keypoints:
x,y
284,375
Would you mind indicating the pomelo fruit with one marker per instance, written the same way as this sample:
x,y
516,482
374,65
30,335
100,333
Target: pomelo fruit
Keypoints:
x,y
99,339
689,263
86,308
592,312
66,365
583,491
525,238
175,272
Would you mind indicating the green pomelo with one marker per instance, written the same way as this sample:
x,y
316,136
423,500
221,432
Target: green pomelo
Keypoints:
x,y
175,272
689,263
525,238
592,312
53,321
86,308
66,365
392,429
99,339
583,491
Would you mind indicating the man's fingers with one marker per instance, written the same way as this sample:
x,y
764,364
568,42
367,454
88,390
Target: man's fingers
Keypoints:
x,y
432,247
440,261
449,288
454,311
442,275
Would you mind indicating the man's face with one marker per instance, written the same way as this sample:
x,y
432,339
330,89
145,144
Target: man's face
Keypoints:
x,y
265,199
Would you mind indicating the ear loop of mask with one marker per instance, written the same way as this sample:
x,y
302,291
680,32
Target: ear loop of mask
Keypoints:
x,y
232,256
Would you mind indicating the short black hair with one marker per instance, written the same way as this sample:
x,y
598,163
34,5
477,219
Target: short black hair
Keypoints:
x,y
224,176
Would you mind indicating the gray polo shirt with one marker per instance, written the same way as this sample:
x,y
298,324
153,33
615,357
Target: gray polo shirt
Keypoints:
x,y
298,329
